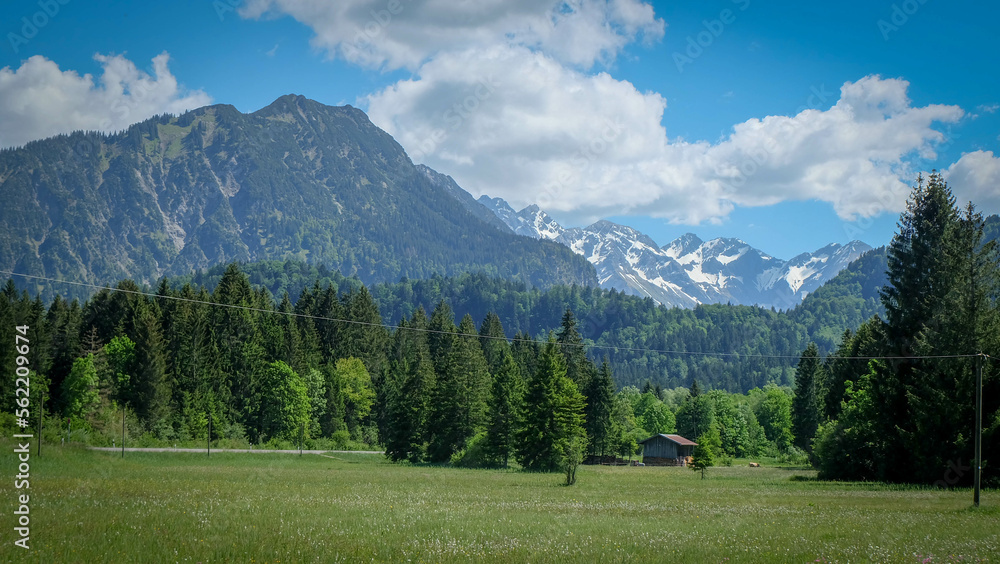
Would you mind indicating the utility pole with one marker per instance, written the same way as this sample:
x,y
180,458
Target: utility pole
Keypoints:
x,y
123,431
210,434
978,463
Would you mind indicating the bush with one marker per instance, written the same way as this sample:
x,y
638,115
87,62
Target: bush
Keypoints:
x,y
473,455
794,455
341,439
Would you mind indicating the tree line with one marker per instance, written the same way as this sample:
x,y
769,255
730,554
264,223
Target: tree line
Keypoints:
x,y
234,364
896,400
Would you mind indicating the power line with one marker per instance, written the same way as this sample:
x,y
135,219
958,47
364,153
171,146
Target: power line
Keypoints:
x,y
436,331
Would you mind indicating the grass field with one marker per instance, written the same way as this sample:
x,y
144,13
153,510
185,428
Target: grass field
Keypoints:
x,y
165,507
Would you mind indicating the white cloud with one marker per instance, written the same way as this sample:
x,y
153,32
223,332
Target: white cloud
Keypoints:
x,y
527,128
976,177
394,34
39,100
502,98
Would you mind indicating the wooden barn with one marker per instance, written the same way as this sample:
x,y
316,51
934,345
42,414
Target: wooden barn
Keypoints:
x,y
667,450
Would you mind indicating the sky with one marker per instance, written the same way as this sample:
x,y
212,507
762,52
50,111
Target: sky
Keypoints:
x,y
789,125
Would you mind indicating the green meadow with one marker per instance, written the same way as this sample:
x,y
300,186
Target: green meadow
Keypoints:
x,y
91,506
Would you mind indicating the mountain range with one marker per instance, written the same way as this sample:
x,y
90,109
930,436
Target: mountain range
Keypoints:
x,y
304,181
687,271
295,180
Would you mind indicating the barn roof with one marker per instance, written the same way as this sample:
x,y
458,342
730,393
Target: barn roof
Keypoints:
x,y
675,438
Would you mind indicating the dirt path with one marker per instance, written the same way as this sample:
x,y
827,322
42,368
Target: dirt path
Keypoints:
x,y
225,450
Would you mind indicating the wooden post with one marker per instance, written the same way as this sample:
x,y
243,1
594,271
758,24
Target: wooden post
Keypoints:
x,y
123,431
209,434
978,462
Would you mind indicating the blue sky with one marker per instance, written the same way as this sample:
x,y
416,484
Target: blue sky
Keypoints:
x,y
651,114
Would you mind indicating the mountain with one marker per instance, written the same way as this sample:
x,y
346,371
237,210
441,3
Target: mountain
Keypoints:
x,y
294,180
449,185
845,301
686,271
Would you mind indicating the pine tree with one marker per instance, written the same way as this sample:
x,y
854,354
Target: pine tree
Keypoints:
x,y
552,432
918,284
150,392
942,394
441,337
525,352
63,322
494,342
578,367
600,395
410,389
459,406
506,399
237,337
695,388
805,407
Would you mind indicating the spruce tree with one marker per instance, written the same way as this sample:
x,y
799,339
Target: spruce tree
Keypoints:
x,y
441,336
506,399
525,352
494,342
805,407
552,428
410,389
578,367
600,395
459,406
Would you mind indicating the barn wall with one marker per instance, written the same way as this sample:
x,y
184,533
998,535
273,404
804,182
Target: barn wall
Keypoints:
x,y
660,448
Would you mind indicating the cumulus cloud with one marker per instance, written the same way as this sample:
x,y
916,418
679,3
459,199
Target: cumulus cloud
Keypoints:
x,y
516,123
393,34
976,177
39,100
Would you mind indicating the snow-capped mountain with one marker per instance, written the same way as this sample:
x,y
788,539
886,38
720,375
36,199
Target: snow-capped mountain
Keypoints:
x,y
687,271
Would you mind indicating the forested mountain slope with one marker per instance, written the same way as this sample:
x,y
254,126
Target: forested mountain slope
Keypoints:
x,y
294,180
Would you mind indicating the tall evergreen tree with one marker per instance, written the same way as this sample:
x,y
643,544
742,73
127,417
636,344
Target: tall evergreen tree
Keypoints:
x,y
459,407
150,391
237,338
578,367
600,395
942,394
919,283
441,336
805,406
553,423
494,342
504,411
410,391
525,352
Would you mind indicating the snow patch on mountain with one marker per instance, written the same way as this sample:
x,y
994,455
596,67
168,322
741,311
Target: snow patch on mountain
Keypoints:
x,y
687,271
